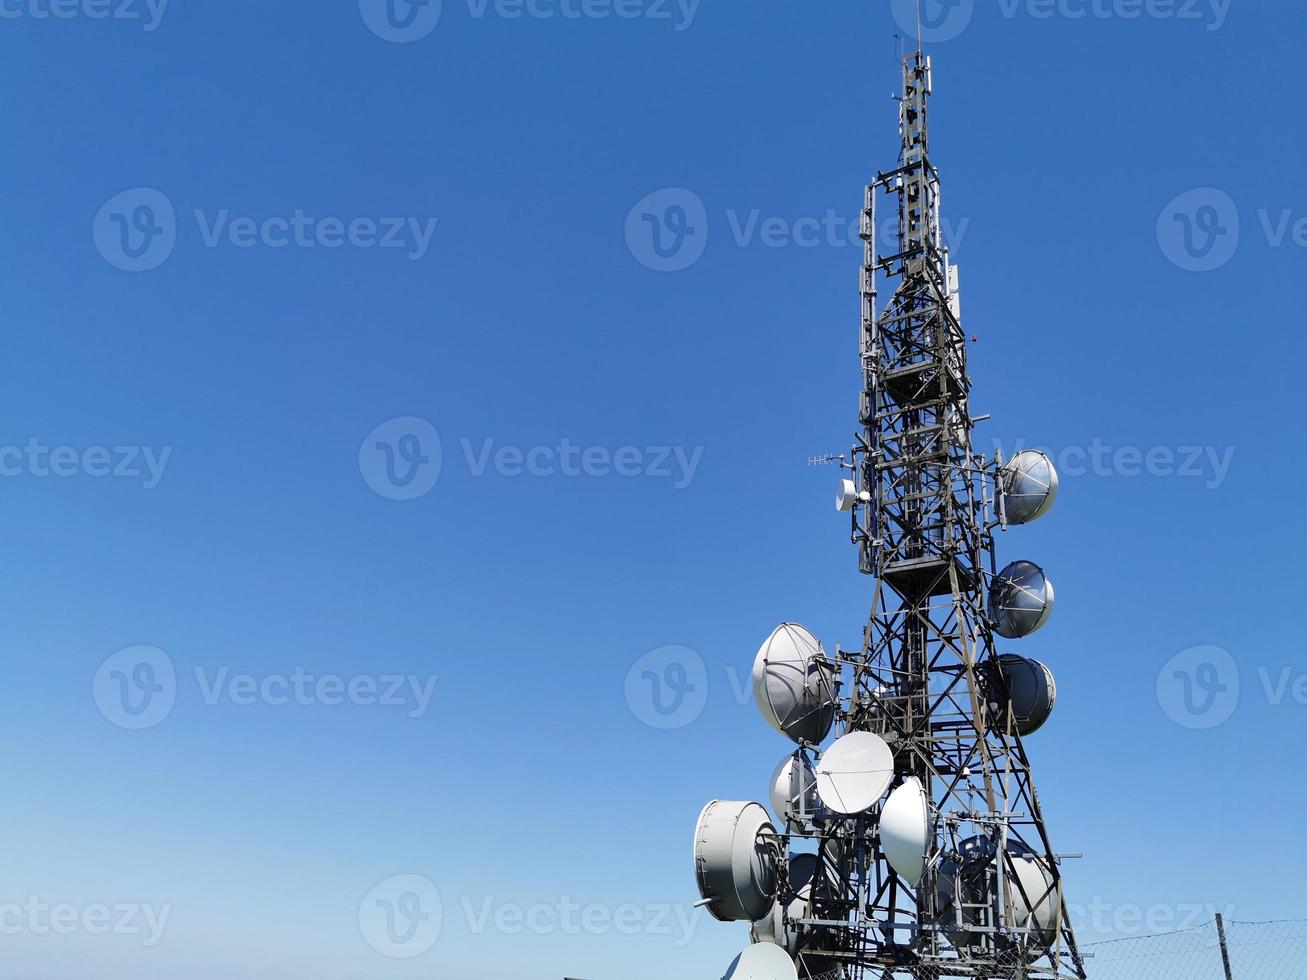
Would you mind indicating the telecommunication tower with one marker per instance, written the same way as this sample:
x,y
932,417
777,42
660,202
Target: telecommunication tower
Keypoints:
x,y
914,844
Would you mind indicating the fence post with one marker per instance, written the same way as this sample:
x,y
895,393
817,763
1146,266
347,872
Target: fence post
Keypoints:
x,y
1225,949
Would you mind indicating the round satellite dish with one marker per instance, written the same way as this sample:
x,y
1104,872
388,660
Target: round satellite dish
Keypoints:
x,y
793,781
1033,694
1029,487
1020,600
854,773
764,961
847,496
735,861
1032,901
905,829
793,686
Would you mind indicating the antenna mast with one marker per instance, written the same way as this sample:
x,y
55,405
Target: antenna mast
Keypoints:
x,y
930,680
952,874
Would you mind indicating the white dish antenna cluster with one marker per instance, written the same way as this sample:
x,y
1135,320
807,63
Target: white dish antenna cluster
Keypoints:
x,y
742,866
1021,599
739,864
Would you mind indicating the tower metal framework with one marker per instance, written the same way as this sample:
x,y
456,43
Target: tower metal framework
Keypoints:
x,y
927,678
953,873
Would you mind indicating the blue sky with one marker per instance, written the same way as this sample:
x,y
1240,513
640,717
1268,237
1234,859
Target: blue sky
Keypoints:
x,y
378,219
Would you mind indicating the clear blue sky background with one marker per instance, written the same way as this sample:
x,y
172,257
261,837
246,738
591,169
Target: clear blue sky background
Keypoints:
x,y
531,778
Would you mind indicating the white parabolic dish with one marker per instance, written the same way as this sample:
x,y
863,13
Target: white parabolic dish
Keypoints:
x,y
1020,600
846,497
734,863
1034,902
792,685
1030,484
905,829
764,961
854,772
1032,690
791,781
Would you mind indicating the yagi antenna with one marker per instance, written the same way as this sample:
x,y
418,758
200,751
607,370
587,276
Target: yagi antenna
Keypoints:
x,y
826,460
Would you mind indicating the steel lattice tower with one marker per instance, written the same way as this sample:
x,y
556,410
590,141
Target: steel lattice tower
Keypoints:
x,y
927,678
914,846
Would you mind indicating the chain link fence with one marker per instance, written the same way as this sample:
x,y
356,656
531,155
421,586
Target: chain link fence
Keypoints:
x,y
1218,950
1251,951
